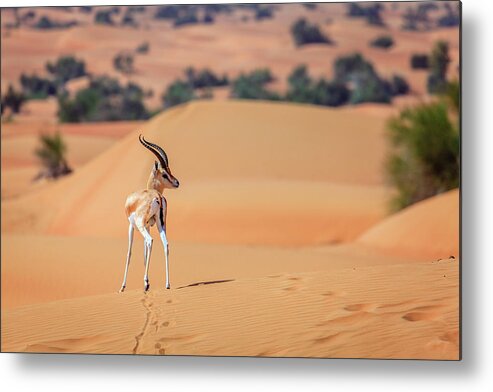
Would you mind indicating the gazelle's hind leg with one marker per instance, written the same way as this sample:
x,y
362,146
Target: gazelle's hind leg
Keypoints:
x,y
161,226
129,253
148,248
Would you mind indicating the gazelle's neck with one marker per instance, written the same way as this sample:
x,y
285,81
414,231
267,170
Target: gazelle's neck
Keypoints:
x,y
154,183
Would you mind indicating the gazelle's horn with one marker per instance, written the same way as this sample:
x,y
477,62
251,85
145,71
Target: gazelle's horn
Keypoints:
x,y
156,150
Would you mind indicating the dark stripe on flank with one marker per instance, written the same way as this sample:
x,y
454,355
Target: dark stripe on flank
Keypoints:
x,y
161,214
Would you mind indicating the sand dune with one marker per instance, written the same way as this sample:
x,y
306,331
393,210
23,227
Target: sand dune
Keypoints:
x,y
429,229
311,145
320,314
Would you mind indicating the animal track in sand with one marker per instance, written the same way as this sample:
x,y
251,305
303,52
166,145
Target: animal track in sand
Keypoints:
x,y
165,324
327,339
420,316
178,338
451,337
352,318
360,307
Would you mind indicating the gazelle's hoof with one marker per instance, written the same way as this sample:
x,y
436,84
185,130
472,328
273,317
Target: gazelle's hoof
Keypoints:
x,y
146,287
122,289
168,287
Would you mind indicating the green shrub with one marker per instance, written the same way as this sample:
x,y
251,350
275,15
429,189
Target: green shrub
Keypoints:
x,y
310,6
400,86
346,66
439,61
103,100
177,93
425,155
205,78
143,48
305,33
264,12
51,153
372,13
35,87
384,41
252,86
45,23
420,61
13,100
104,17
66,68
186,19
369,87
304,90
124,63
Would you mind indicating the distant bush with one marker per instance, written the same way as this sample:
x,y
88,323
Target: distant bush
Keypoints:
x,y
346,66
177,93
45,23
168,12
143,48
264,12
186,19
439,61
205,78
304,90
252,86
305,33
208,18
124,63
66,68
129,20
384,41
425,156
104,17
420,61
310,6
451,18
103,100
85,9
12,99
52,154
372,13
35,87
399,85
369,87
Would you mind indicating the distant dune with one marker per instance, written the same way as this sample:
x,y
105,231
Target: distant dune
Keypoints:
x,y
429,229
239,163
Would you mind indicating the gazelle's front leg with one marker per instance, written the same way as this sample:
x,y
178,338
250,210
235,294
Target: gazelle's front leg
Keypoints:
x,y
148,248
161,226
129,253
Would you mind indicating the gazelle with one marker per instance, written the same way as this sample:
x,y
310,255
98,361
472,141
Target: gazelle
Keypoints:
x,y
147,207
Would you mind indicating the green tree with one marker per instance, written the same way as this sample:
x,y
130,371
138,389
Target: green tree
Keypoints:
x,y
13,100
66,68
424,159
124,63
304,32
177,93
51,153
439,61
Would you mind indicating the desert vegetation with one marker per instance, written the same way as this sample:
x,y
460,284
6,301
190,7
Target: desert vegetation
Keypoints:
x,y
370,12
425,157
105,99
420,61
304,33
383,41
439,61
52,156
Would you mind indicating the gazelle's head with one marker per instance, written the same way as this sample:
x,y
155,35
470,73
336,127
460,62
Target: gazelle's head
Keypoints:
x,y
161,176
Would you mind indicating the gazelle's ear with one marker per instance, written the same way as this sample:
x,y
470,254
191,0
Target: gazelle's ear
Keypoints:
x,y
156,165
